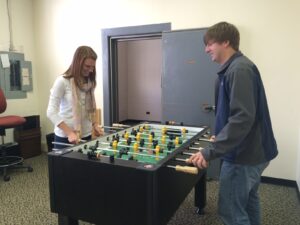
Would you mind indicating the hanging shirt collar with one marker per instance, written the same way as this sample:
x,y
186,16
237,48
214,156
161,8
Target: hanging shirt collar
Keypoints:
x,y
228,62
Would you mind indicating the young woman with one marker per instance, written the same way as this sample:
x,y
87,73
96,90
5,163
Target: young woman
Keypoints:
x,y
72,103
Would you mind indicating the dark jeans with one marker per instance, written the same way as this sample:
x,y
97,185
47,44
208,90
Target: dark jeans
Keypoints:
x,y
58,139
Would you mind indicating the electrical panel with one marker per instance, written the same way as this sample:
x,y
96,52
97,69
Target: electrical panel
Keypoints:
x,y
15,75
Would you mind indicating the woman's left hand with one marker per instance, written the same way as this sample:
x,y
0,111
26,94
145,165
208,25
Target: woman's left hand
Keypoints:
x,y
97,130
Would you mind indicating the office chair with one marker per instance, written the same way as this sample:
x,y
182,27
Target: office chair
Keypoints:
x,y
7,122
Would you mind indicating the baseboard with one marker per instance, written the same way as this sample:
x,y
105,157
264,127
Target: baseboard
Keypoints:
x,y
298,193
282,182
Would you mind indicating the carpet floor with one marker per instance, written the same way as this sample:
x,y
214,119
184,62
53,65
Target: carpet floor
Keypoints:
x,y
24,200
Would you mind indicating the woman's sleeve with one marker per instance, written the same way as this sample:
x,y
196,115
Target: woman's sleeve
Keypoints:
x,y
56,94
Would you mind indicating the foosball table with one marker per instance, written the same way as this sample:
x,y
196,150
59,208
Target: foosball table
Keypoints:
x,y
133,176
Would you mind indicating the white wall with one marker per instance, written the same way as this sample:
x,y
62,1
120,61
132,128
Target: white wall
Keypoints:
x,y
268,36
24,42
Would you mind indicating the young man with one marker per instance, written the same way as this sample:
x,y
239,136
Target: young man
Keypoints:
x,y
243,132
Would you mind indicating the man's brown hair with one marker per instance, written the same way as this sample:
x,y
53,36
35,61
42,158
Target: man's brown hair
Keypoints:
x,y
222,32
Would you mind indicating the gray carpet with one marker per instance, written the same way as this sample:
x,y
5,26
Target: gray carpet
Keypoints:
x,y
24,200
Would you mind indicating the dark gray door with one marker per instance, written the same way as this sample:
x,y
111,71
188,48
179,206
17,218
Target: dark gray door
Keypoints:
x,y
188,81
188,78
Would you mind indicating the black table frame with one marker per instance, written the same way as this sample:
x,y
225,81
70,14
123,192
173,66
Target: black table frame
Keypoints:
x,y
119,192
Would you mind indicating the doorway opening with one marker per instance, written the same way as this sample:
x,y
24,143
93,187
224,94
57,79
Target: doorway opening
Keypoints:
x,y
139,62
132,67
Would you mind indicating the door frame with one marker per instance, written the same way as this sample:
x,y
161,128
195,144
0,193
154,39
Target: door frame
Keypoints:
x,y
110,37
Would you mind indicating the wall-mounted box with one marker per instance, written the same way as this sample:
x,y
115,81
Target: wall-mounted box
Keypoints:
x,y
15,75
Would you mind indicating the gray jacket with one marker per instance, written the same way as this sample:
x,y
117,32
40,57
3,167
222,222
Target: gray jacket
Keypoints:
x,y
243,126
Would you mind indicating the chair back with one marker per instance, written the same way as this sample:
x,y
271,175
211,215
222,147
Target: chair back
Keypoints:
x,y
3,103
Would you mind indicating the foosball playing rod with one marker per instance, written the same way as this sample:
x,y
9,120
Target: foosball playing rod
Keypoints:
x,y
168,133
156,139
185,169
132,136
205,140
67,144
184,153
172,129
146,143
120,125
182,160
130,146
113,128
132,153
106,149
193,148
62,143
157,134
187,153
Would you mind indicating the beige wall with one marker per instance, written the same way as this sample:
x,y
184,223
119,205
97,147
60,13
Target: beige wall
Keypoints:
x,y
268,36
24,42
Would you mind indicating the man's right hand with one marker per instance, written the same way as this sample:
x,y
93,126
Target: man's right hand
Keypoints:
x,y
212,138
198,160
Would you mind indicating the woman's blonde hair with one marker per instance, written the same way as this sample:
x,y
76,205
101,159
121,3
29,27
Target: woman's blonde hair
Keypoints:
x,y
81,54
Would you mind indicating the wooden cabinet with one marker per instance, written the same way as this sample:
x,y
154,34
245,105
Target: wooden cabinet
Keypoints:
x,y
28,136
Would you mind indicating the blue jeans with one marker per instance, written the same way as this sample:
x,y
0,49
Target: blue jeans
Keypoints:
x,y
58,139
238,193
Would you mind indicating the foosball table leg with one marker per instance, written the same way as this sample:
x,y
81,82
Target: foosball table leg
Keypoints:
x,y
65,220
200,195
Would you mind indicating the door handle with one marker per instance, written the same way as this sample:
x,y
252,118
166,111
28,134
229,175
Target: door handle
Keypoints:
x,y
208,108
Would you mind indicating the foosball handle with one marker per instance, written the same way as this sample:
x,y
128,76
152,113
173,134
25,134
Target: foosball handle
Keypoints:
x,y
119,125
187,169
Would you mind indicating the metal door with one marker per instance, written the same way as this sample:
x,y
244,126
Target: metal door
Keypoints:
x,y
188,78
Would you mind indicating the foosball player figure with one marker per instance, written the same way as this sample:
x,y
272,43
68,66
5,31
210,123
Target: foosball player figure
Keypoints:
x,y
153,134
163,139
170,145
150,138
154,143
126,135
142,142
114,146
93,148
133,132
141,129
93,155
117,138
135,149
111,158
138,136
129,140
177,141
123,151
157,149
171,136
